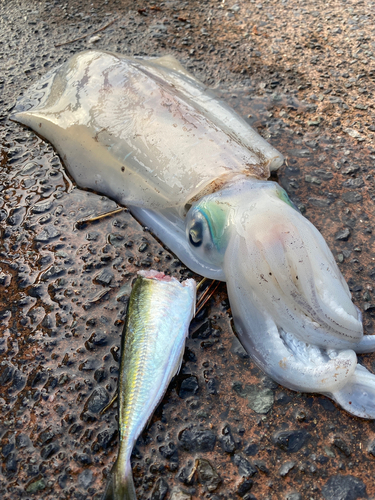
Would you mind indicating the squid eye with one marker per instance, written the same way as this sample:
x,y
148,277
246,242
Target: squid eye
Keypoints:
x,y
196,233
205,239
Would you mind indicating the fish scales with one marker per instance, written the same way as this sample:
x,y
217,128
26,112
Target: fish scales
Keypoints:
x,y
159,313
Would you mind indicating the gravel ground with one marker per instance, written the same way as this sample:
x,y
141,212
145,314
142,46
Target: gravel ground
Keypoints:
x,y
303,73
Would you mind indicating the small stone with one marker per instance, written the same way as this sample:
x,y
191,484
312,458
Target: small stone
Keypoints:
x,y
352,197
42,206
245,468
371,448
52,272
97,401
160,489
47,234
207,475
94,39
354,183
36,486
291,441
244,487
49,450
194,440
293,496
353,133
143,247
105,439
104,278
286,467
86,478
344,488
283,399
169,451
189,387
320,202
177,494
342,446
203,332
343,235
261,400
227,442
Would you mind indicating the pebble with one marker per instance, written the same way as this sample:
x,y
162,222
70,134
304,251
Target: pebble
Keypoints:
x,y
290,441
245,468
86,478
342,487
354,183
49,450
197,440
189,387
104,277
293,496
160,489
342,445
244,487
178,494
343,235
169,451
97,401
227,442
105,439
259,400
48,233
286,467
353,133
352,197
36,486
207,475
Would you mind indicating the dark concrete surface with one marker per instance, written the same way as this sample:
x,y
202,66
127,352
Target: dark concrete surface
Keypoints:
x,y
303,73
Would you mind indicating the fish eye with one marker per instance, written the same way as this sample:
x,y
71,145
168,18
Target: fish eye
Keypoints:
x,y
196,233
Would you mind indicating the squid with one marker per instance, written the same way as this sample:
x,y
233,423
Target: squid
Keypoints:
x,y
149,135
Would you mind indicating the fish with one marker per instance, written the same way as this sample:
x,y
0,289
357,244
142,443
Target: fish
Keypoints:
x,y
159,313
148,134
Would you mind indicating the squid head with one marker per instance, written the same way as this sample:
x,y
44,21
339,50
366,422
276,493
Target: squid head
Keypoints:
x,y
291,306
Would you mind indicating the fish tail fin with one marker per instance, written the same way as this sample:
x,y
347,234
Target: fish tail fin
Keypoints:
x,y
120,484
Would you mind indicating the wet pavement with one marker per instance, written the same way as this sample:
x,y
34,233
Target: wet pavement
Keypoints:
x,y
303,75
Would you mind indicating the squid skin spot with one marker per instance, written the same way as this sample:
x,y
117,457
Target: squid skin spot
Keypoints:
x,y
122,169
296,277
270,274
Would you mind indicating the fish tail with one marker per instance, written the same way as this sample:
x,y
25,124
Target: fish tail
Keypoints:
x,y
120,485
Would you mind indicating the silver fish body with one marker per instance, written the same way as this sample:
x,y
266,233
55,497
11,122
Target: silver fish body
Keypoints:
x,y
159,313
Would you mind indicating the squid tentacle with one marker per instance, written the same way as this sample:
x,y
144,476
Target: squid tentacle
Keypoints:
x,y
290,361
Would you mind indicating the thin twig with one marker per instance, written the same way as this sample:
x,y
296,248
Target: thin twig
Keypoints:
x,y
201,283
109,404
84,36
206,295
89,220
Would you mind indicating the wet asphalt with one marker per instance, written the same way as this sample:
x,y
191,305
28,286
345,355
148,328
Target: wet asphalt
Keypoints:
x,y
303,73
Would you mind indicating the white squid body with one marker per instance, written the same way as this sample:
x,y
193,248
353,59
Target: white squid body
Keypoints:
x,y
149,135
